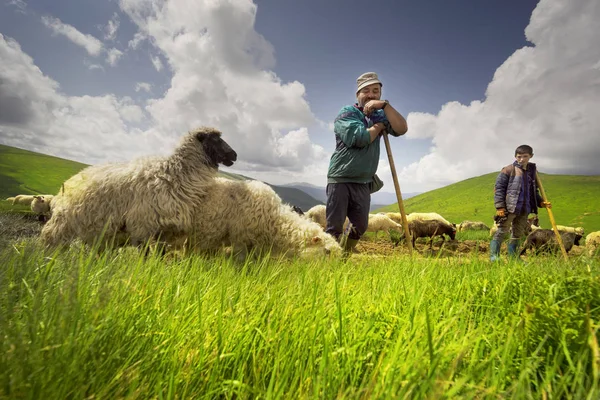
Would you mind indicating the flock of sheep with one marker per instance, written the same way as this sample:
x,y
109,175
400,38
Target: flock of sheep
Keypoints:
x,y
181,203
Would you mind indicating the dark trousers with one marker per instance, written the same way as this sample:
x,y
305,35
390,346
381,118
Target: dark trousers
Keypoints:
x,y
350,200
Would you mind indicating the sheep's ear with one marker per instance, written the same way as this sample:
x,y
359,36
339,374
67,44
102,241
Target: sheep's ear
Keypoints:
x,y
315,240
38,197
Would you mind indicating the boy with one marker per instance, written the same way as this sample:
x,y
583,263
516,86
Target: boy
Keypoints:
x,y
515,197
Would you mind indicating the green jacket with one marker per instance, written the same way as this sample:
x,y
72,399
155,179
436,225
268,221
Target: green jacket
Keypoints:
x,y
354,158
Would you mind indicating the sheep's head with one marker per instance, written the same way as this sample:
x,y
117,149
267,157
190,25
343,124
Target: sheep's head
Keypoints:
x,y
217,150
321,245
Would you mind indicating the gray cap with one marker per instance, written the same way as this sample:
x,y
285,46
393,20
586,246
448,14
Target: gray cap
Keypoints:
x,y
366,79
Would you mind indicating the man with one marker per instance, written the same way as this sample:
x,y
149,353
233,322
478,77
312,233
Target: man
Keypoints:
x,y
354,162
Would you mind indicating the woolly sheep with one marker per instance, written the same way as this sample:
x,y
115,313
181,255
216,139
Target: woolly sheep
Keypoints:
x,y
427,217
378,222
318,214
545,239
472,225
137,200
394,216
21,199
592,242
579,230
41,206
250,217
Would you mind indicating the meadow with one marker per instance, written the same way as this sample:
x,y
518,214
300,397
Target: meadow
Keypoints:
x,y
76,324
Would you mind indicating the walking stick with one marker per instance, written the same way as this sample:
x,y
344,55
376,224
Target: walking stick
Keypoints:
x,y
398,193
551,216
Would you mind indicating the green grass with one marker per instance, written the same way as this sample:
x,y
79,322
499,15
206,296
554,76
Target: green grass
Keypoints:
x,y
575,200
75,325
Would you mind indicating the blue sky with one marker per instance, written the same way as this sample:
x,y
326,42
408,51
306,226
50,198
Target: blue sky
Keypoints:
x,y
113,80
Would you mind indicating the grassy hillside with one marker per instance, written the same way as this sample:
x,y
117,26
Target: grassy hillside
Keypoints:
x,y
575,200
27,172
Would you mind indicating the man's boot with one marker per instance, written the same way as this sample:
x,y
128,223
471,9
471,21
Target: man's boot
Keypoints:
x,y
495,250
350,246
513,250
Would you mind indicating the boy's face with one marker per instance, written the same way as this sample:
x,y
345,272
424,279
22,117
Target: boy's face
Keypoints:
x,y
523,159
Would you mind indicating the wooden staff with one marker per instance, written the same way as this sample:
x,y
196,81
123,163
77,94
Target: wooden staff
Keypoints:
x,y
398,193
551,216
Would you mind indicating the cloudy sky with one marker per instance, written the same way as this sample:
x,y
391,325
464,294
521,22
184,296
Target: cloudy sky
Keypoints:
x,y
99,81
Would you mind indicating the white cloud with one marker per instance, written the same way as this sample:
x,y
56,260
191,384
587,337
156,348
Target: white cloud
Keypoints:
x,y
19,5
111,28
546,95
112,56
156,62
91,44
145,86
137,39
35,115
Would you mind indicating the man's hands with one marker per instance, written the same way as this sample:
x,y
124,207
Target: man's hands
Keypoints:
x,y
546,204
373,105
501,212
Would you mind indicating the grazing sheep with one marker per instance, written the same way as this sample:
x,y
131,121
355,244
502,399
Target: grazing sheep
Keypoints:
x,y
545,240
394,216
317,214
592,242
473,226
427,217
378,222
250,217
21,199
136,201
579,230
430,228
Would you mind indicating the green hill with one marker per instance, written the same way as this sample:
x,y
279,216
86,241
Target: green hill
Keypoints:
x,y
575,200
27,172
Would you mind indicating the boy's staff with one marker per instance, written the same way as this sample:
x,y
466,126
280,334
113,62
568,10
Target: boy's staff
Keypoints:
x,y
397,187
558,237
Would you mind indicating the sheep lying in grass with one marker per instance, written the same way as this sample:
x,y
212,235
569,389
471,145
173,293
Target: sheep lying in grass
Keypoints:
x,y
41,206
592,243
379,222
250,217
579,230
21,199
136,201
545,240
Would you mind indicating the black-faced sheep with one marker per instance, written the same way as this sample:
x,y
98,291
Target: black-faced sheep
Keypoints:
x,y
592,242
250,217
545,240
430,228
135,201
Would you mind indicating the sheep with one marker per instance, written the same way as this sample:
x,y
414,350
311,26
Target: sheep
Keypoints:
x,y
318,214
430,228
21,199
378,222
592,242
579,230
545,239
250,217
394,216
472,225
427,217
135,201
41,206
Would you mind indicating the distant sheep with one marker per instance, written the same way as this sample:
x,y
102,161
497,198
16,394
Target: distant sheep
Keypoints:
x,y
134,202
545,240
579,230
378,222
250,217
431,228
592,242
41,206
318,214
21,199
472,226
427,217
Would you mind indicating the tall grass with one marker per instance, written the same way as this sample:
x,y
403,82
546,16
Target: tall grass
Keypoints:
x,y
119,325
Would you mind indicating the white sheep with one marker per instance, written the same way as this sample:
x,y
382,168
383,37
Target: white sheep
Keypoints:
x,y
427,217
250,217
41,206
379,222
21,199
135,201
472,225
318,214
592,242
579,230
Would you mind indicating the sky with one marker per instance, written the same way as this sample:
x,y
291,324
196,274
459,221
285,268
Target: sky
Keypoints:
x,y
104,81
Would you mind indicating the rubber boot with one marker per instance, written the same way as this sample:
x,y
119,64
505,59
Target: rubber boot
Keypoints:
x,y
513,251
350,246
494,250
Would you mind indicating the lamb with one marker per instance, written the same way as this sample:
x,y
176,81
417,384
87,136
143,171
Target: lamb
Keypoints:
x,y
134,202
21,199
250,217
592,242
472,225
430,228
579,230
41,206
378,222
545,239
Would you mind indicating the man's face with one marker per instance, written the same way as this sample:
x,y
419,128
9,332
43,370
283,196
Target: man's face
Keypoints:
x,y
523,159
368,93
